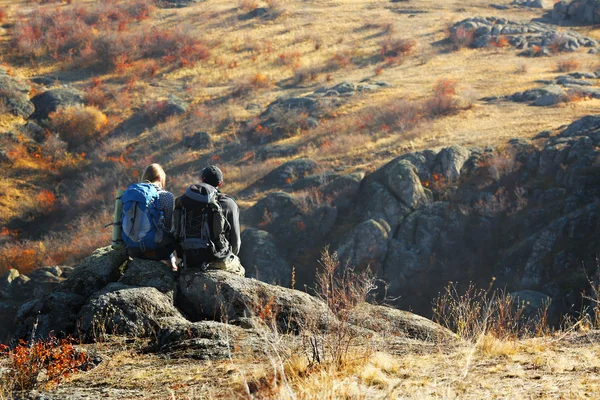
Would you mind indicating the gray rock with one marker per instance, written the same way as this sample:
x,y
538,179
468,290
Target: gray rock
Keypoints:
x,y
450,161
199,140
344,87
273,207
54,313
404,183
205,340
147,273
391,321
4,158
276,151
582,126
343,190
261,259
221,296
365,245
51,100
178,3
95,272
124,310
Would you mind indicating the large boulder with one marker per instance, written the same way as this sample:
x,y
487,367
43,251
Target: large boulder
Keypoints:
x,y
261,259
366,245
55,313
391,321
222,296
51,100
95,272
404,183
125,310
147,273
449,162
208,340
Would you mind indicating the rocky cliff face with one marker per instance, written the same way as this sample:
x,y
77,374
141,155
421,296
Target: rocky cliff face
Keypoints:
x,y
525,214
586,11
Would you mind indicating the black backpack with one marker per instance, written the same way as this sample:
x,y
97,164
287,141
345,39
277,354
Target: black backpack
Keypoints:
x,y
201,225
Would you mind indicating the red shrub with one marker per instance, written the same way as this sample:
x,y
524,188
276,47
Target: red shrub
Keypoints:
x,y
444,100
3,14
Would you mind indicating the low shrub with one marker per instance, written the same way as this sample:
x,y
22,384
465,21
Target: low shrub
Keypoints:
x,y
567,65
443,101
397,47
251,85
78,125
43,363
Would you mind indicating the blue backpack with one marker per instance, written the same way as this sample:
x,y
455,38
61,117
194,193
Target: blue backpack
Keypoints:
x,y
141,225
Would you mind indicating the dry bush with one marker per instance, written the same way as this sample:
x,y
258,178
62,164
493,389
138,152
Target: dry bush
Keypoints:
x,y
100,35
567,65
558,43
3,14
461,38
574,96
41,364
477,312
305,75
339,60
253,84
396,49
96,96
500,41
78,125
290,59
397,115
24,256
248,5
343,289
275,9
68,32
444,101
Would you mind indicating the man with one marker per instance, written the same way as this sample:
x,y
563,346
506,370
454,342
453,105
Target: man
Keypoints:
x,y
219,248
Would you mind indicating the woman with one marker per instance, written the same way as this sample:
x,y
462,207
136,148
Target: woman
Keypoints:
x,y
155,175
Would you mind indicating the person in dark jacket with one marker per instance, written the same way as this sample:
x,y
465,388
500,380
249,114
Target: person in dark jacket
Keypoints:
x,y
213,176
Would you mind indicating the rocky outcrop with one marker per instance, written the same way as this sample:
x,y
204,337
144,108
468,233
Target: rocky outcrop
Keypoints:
x,y
525,214
584,11
570,87
51,100
57,311
286,117
534,38
192,313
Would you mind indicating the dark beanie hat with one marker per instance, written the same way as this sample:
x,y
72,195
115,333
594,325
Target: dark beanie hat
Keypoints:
x,y
212,175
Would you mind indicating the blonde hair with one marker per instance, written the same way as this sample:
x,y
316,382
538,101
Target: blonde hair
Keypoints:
x,y
155,173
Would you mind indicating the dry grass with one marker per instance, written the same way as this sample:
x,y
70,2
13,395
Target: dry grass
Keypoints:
x,y
549,368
